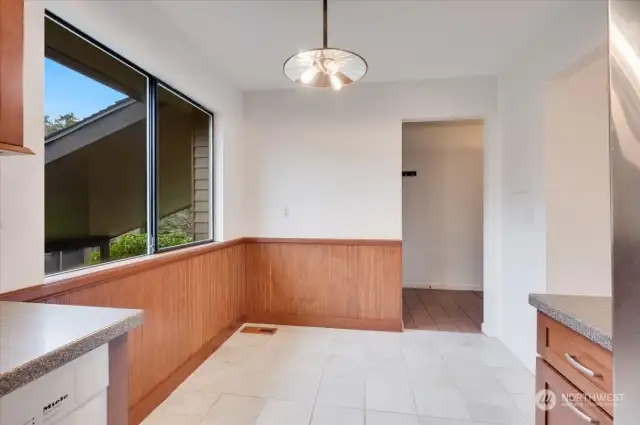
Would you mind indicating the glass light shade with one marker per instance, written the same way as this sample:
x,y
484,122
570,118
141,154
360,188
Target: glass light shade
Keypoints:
x,y
336,84
325,68
308,75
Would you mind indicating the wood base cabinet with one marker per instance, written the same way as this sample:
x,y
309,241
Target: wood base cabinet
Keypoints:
x,y
574,377
565,404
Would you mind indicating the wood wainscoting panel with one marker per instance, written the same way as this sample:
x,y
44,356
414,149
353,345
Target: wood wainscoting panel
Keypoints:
x,y
331,283
190,306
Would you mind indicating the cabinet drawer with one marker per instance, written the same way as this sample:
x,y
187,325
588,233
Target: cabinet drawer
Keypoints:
x,y
572,407
585,364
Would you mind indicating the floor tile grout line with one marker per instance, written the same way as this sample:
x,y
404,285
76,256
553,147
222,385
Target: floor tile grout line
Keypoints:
x,y
413,395
457,387
211,408
508,393
315,401
366,378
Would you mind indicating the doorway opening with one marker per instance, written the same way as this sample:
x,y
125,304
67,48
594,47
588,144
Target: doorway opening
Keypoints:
x,y
442,225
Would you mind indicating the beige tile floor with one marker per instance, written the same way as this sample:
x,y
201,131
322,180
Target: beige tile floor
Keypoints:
x,y
302,376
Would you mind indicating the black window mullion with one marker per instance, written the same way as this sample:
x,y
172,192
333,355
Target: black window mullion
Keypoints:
x,y
212,232
152,166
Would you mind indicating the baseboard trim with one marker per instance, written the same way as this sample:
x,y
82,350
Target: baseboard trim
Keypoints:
x,y
432,285
142,409
327,322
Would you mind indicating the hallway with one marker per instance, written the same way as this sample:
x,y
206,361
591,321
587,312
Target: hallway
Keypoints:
x,y
436,309
317,376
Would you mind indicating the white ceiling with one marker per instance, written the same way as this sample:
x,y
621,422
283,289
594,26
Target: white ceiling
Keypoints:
x,y
248,40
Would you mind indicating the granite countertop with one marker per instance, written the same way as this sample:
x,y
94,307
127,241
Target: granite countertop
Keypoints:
x,y
591,317
38,338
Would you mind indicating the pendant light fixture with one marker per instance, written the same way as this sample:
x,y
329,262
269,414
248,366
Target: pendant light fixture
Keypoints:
x,y
327,66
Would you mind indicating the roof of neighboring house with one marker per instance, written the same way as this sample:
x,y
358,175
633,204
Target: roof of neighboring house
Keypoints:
x,y
98,126
101,190
120,104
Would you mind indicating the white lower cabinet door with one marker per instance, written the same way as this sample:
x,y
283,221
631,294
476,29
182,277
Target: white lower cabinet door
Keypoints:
x,y
94,412
42,402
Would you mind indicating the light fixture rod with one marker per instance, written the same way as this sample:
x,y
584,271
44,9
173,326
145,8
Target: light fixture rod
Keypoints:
x,y
324,24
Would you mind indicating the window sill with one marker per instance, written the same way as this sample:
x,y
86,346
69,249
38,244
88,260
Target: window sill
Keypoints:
x,y
75,279
185,250
71,274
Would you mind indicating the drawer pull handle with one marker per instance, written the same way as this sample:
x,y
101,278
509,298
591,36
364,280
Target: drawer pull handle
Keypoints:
x,y
579,413
585,370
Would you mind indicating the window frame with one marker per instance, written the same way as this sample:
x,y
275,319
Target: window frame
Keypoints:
x,y
151,149
156,141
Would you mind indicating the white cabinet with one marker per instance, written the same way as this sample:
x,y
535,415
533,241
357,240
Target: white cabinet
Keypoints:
x,y
73,394
93,412
91,373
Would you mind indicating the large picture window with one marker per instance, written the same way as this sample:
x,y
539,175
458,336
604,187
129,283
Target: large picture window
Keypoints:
x,y
127,158
183,170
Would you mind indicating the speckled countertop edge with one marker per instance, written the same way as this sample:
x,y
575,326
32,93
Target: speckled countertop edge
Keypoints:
x,y
40,366
568,319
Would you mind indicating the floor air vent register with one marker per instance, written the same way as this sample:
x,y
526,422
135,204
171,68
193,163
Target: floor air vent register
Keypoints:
x,y
258,330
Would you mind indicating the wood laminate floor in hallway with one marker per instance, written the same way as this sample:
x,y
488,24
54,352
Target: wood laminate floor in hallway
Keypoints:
x,y
444,310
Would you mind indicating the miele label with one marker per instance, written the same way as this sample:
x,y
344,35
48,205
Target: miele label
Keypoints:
x,y
52,409
52,398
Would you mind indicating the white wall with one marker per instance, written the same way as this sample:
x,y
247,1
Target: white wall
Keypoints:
x,y
442,205
522,87
576,163
333,161
136,31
